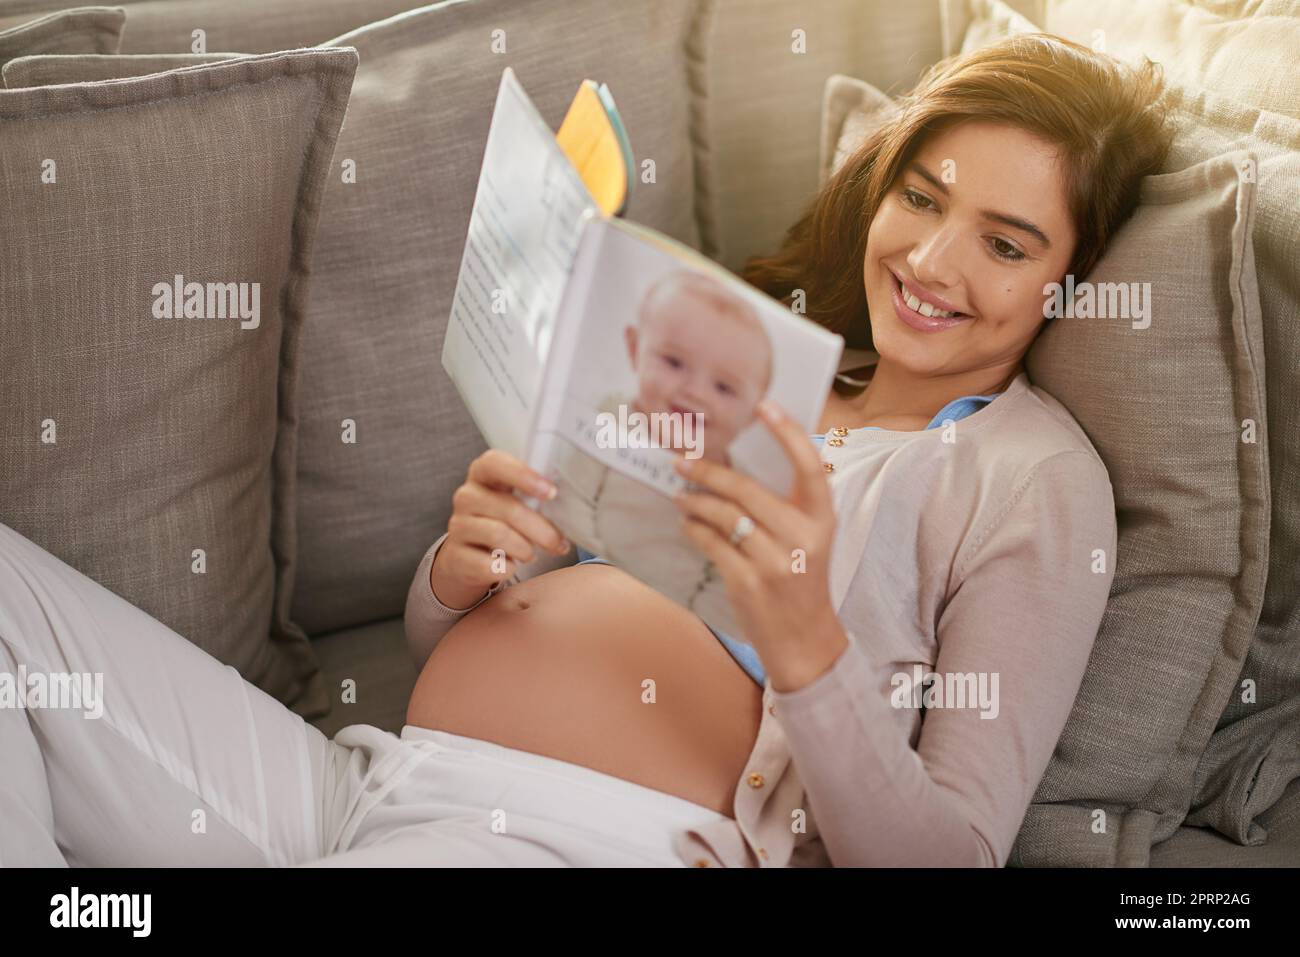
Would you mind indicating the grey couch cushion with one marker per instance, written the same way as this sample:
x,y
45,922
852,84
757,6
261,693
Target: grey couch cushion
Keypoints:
x,y
1255,751
389,251
128,440
46,69
79,30
1166,406
368,674
249,26
1206,847
1243,49
762,83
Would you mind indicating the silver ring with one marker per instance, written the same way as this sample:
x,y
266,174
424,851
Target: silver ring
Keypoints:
x,y
742,530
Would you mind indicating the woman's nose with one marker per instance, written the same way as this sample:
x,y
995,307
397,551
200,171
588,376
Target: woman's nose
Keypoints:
x,y
934,258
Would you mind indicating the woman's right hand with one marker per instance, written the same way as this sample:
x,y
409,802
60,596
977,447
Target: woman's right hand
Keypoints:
x,y
491,530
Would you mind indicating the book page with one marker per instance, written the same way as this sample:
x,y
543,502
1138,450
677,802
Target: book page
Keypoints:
x,y
659,354
519,249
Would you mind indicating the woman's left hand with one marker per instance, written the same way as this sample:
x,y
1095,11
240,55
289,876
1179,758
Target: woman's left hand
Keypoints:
x,y
777,577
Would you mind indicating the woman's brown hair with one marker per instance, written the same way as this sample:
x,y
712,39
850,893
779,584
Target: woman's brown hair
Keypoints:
x,y
1107,118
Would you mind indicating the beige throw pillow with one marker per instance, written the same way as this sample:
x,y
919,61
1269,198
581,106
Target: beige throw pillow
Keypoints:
x,y
154,270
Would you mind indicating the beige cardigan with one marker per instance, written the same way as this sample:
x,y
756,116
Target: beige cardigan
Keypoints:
x,y
984,552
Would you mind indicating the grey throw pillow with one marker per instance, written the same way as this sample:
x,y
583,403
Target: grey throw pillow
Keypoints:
x,y
154,270
79,30
1176,409
45,69
249,26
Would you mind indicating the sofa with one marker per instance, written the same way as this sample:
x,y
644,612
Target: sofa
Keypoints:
x,y
741,106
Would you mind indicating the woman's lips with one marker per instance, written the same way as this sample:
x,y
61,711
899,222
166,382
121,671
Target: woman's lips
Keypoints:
x,y
915,319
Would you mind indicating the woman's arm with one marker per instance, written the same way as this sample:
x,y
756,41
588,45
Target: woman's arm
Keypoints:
x,y
1027,608
427,619
486,515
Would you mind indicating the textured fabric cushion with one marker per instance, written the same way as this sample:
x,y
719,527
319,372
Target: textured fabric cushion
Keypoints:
x,y
44,70
373,663
1206,847
967,24
1193,515
389,251
1255,750
248,26
130,441
1243,49
759,155
80,30
987,21
1168,408
851,109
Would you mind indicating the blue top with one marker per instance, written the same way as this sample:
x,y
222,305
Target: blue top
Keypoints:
x,y
742,651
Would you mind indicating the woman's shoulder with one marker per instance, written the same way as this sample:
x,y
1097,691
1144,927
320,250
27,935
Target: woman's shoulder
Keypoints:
x,y
1025,427
1023,462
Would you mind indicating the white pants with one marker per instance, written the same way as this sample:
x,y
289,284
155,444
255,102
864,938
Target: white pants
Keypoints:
x,y
191,765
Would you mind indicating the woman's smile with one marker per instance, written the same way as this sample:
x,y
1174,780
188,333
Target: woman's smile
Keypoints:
x,y
923,310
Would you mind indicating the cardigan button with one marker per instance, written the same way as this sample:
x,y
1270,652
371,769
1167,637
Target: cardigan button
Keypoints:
x,y
840,430
828,466
835,442
702,862
755,780
762,852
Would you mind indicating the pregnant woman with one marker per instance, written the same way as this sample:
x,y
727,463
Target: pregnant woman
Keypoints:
x,y
916,616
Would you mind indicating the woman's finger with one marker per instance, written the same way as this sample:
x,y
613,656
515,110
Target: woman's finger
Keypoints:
x,y
759,503
491,534
734,567
721,515
502,471
506,507
812,491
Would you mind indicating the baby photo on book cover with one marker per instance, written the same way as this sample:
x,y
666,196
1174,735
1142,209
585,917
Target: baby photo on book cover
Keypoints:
x,y
674,366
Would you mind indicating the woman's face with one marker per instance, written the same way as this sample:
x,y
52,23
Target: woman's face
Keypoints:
x,y
976,224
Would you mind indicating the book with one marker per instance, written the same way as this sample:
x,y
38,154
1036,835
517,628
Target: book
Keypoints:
x,y
598,350
594,141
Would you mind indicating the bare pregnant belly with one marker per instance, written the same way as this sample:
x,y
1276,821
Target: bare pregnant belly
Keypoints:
x,y
557,665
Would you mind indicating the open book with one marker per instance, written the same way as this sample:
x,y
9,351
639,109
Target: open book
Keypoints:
x,y
598,351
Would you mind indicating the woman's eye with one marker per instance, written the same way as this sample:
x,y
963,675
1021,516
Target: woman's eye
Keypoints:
x,y
917,200
1005,250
